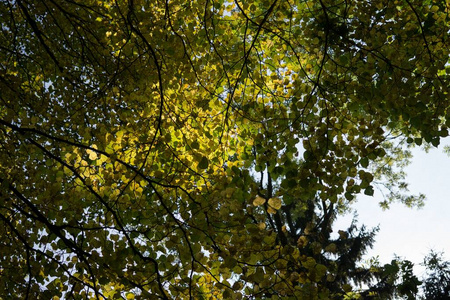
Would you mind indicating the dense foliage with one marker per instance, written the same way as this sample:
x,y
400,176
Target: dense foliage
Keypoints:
x,y
202,149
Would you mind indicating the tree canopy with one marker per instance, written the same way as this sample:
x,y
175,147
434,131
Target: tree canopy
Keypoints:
x,y
202,149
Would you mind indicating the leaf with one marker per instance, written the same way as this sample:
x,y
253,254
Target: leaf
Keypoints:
x,y
92,155
369,191
271,210
203,164
130,296
435,142
195,145
259,201
307,155
347,288
364,162
275,203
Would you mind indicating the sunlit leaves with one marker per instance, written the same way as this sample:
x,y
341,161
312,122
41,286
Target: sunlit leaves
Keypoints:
x,y
275,203
259,201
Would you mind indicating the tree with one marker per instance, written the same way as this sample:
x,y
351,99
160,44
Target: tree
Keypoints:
x,y
173,149
436,284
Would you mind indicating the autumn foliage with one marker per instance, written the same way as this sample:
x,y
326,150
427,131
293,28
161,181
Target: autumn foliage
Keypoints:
x,y
203,149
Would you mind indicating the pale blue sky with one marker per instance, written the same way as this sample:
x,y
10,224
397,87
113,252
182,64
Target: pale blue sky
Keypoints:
x,y
412,233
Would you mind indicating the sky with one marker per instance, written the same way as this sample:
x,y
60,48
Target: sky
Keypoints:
x,y
410,232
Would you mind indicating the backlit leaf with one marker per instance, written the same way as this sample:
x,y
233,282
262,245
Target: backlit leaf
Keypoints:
x,y
275,203
259,201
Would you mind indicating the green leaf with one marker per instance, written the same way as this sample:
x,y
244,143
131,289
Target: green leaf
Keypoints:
x,y
203,164
364,162
307,155
435,142
369,191
195,145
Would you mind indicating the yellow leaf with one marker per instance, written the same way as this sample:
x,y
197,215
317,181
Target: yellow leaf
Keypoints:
x,y
259,201
271,211
302,241
92,155
275,203
130,296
